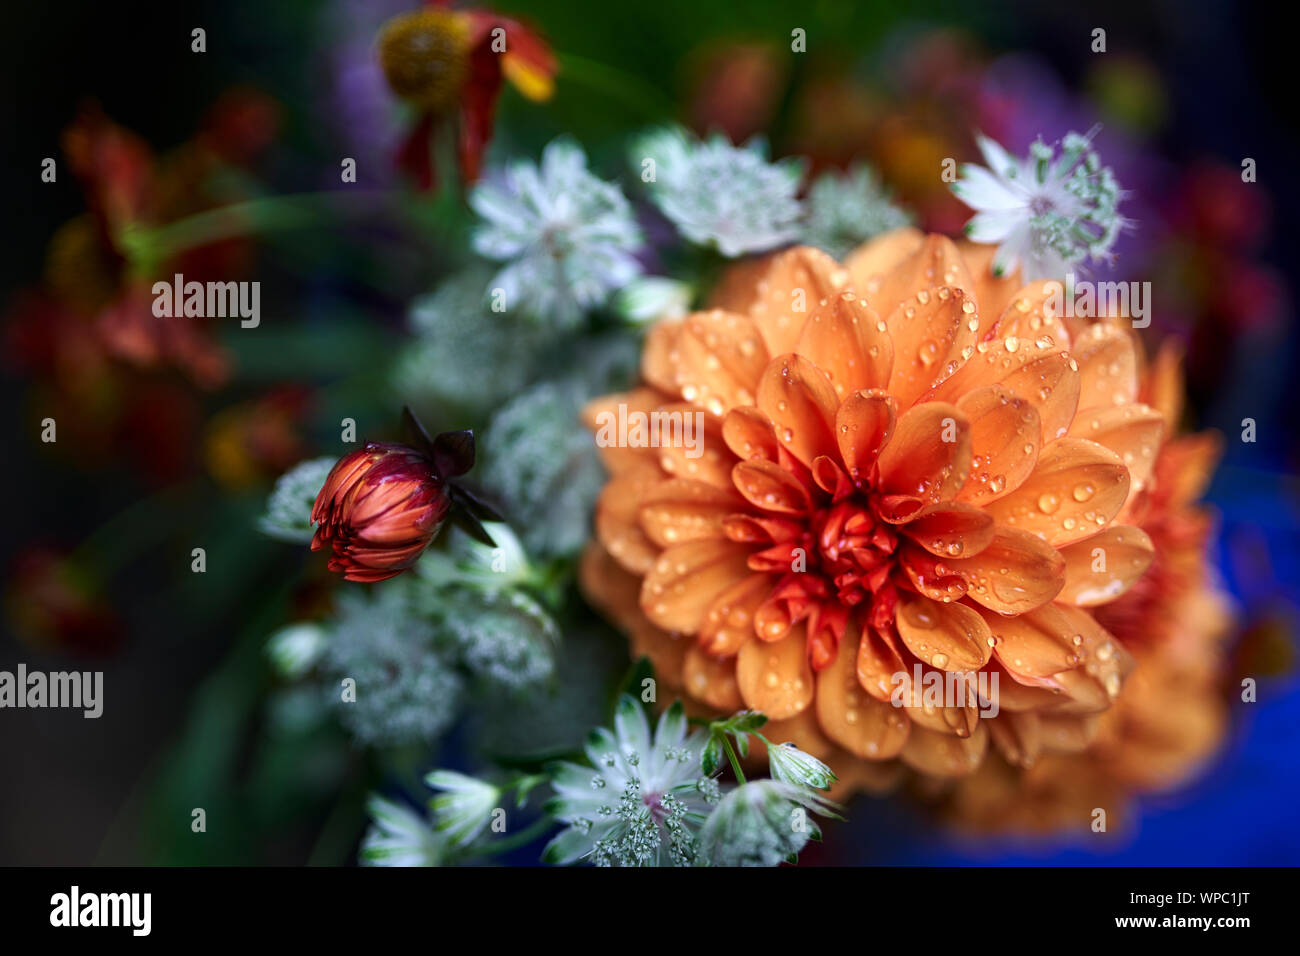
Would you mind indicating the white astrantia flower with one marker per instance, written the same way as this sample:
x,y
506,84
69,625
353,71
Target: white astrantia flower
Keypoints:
x,y
547,472
294,650
407,688
1046,213
761,823
846,209
720,195
568,238
399,837
641,801
441,365
789,764
288,509
463,807
508,639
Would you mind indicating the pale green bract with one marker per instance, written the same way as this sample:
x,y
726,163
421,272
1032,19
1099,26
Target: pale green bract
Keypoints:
x,y
288,509
399,837
463,806
761,823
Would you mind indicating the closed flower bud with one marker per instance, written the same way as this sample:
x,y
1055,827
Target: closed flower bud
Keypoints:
x,y
379,509
791,765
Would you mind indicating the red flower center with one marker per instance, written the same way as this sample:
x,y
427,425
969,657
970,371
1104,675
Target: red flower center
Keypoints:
x,y
840,556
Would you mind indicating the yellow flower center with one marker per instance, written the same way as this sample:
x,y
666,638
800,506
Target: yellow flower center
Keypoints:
x,y
425,57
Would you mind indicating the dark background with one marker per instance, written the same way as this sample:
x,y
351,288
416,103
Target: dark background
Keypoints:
x,y
72,789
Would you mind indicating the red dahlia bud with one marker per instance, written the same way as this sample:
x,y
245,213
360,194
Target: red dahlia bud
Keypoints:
x,y
379,509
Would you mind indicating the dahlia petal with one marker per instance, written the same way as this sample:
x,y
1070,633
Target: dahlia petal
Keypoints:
x,y
711,680
342,478
1133,432
1018,737
601,412
1101,568
773,619
876,664
849,343
1067,733
871,260
951,529
618,524
755,529
1103,664
936,262
704,457
1185,466
1107,363
686,579
933,334
1032,316
1075,490
399,558
720,360
951,637
801,403
1062,648
749,434
804,732
1016,573
1047,377
1033,647
1163,387
365,575
776,678
608,586
665,650
659,355
992,293
931,575
855,720
770,487
831,479
1015,697
864,423
788,285
729,621
681,510
945,755
1005,439
929,455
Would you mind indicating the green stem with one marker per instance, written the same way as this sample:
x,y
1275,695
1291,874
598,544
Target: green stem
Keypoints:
x,y
735,762
524,837
265,214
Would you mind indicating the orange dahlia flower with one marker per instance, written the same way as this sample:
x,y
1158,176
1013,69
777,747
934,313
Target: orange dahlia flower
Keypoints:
x,y
907,467
1172,714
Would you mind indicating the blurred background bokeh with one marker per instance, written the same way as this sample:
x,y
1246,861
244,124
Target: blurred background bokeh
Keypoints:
x,y
154,458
